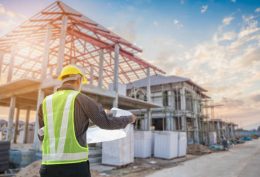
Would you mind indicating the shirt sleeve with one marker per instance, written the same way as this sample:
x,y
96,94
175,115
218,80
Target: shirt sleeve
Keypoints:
x,y
40,121
95,112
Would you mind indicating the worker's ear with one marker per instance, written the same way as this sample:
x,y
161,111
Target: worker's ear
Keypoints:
x,y
79,82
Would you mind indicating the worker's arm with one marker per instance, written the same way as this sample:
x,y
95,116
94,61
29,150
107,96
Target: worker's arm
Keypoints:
x,y
98,116
40,121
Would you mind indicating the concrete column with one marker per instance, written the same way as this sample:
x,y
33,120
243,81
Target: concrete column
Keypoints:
x,y
149,119
172,100
218,131
62,44
11,64
16,124
91,75
36,142
196,118
143,123
45,59
173,123
183,99
11,118
183,110
26,126
148,95
101,68
169,123
1,65
196,130
183,123
116,80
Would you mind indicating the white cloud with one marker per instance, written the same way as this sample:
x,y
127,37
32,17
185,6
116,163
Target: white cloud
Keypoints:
x,y
177,23
9,13
2,9
10,20
228,66
257,9
226,36
227,20
204,9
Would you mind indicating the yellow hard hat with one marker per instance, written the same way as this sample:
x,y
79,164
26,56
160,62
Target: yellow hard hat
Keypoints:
x,y
72,70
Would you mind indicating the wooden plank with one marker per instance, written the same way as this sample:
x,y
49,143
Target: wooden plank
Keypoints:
x,y
46,50
62,44
11,65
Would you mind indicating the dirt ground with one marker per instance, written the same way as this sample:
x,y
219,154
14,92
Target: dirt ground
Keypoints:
x,y
140,167
241,161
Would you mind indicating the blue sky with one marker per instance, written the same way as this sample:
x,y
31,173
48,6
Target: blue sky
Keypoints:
x,y
216,43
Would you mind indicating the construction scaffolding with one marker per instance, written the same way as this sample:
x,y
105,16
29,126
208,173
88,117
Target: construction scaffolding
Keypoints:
x,y
33,54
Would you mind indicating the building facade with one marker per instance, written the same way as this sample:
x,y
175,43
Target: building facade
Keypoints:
x,y
181,102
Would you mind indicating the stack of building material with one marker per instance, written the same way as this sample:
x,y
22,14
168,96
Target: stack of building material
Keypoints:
x,y
119,152
31,170
21,158
212,138
142,144
94,155
198,149
166,144
4,155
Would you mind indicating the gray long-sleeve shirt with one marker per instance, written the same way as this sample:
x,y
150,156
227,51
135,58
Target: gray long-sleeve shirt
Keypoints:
x,y
86,109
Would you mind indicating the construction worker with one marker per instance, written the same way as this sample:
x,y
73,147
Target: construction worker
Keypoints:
x,y
64,117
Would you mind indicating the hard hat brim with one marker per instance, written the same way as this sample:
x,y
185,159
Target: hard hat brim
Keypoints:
x,y
84,80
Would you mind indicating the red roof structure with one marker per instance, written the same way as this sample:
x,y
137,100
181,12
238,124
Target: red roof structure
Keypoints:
x,y
84,40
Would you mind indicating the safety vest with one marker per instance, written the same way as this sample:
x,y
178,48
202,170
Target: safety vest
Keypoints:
x,y
60,145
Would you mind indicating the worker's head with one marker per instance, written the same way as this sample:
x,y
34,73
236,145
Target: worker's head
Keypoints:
x,y
72,75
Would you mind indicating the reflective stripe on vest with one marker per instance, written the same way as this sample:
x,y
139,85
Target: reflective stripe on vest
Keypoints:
x,y
56,155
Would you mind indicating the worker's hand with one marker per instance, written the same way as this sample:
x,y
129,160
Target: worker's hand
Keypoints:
x,y
133,118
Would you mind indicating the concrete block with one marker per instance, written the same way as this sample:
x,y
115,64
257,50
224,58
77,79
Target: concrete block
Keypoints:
x,y
142,144
182,144
119,152
166,144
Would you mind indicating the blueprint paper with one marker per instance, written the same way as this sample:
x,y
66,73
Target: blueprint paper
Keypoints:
x,y
97,135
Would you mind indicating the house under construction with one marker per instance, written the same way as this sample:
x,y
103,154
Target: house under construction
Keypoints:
x,y
181,102
33,54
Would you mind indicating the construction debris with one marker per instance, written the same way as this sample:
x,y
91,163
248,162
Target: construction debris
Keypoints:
x,y
31,170
198,149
